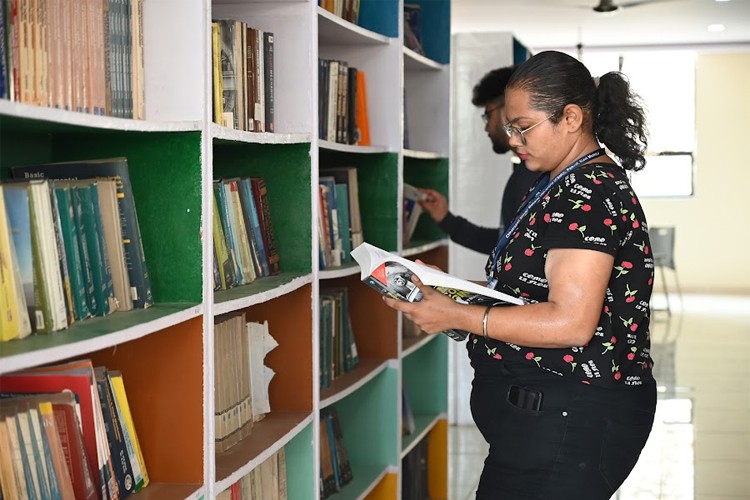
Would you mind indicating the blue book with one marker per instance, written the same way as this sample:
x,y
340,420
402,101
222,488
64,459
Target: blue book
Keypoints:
x,y
19,218
248,206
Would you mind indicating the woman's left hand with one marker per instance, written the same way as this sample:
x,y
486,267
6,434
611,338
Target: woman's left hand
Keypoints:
x,y
433,313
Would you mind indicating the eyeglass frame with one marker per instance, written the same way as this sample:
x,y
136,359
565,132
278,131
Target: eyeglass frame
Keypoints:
x,y
511,129
488,113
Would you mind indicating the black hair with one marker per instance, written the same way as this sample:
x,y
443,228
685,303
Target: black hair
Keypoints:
x,y
491,86
614,113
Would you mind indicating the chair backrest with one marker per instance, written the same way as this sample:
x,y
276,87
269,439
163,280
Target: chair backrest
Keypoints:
x,y
662,245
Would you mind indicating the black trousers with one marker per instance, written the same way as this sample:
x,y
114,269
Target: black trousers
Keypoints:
x,y
581,444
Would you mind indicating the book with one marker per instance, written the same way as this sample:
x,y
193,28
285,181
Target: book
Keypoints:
x,y
255,233
224,259
362,117
412,211
131,437
347,176
268,56
14,317
17,209
117,169
390,275
262,203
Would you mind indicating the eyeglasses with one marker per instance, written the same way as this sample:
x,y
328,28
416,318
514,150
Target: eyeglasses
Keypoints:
x,y
486,115
512,129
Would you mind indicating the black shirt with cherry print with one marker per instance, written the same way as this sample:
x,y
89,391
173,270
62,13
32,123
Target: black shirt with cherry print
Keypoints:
x,y
593,207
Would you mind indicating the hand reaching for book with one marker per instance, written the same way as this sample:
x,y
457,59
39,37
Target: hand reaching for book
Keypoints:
x,y
434,203
434,313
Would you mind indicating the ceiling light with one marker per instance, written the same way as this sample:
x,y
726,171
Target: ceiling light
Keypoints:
x,y
716,28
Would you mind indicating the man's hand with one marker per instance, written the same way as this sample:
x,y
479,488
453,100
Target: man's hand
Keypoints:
x,y
434,203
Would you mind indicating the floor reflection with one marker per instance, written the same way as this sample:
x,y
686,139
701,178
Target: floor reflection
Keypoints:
x,y
700,445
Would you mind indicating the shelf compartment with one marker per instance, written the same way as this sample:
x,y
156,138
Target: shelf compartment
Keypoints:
x,y
92,334
370,411
333,30
425,377
165,398
267,437
377,176
433,174
423,425
259,291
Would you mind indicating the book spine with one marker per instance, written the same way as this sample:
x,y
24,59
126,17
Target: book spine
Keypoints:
x,y
62,258
87,285
117,449
268,56
260,192
99,266
246,190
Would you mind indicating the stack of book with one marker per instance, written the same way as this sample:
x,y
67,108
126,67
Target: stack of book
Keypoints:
x,y
241,381
335,468
342,103
243,76
79,56
266,481
338,346
69,235
66,431
244,239
345,9
339,220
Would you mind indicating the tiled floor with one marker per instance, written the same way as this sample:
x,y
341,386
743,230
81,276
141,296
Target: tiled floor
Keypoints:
x,y
700,445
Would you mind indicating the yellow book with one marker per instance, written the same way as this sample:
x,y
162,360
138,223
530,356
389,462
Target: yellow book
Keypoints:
x,y
118,388
14,317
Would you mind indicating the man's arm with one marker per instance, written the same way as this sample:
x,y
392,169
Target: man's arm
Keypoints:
x,y
477,238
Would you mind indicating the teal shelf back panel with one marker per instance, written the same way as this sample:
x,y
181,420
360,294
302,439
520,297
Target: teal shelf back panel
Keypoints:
x,y
435,22
430,174
520,53
287,171
367,416
426,377
377,176
380,16
299,465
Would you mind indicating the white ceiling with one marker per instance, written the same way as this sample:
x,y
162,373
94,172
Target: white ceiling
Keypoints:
x,y
563,24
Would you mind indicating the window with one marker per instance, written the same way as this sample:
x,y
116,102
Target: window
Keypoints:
x,y
666,83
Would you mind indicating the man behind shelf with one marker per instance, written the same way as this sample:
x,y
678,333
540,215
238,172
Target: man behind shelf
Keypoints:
x,y
489,93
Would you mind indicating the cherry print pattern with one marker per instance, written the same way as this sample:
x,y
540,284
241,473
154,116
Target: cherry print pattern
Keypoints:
x,y
594,207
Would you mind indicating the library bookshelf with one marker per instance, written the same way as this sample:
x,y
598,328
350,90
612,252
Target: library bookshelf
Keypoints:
x,y
166,352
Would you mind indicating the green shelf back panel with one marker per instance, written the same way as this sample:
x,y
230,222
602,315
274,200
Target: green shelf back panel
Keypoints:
x,y
287,171
430,174
377,176
380,16
299,465
425,375
435,22
369,420
165,173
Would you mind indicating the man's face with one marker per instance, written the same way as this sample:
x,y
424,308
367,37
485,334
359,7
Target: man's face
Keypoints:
x,y
495,112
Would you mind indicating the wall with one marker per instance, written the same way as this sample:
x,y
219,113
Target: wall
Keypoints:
x,y
712,234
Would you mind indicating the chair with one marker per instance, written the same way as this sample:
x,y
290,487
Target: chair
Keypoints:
x,y
662,249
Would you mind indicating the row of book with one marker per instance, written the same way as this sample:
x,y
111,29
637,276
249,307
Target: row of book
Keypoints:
x,y
338,345
242,379
70,246
339,220
83,56
267,481
67,432
345,9
244,239
342,103
243,76
335,468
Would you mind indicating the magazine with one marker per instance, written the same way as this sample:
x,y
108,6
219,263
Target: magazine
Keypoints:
x,y
391,275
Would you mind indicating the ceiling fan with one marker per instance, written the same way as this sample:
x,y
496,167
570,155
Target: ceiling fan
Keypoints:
x,y
606,6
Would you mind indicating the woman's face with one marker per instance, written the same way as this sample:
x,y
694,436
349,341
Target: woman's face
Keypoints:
x,y
533,136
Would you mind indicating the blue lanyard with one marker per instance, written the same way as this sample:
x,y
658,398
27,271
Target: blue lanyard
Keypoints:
x,y
542,187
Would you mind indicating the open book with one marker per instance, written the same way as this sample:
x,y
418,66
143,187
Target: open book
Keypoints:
x,y
391,275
